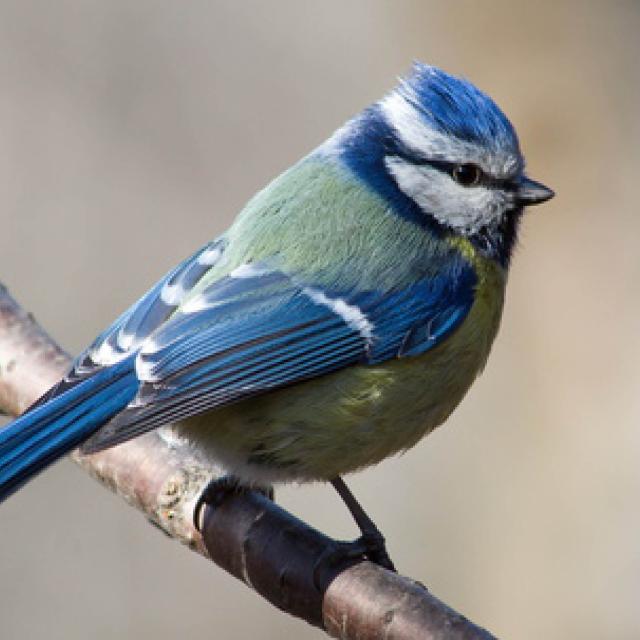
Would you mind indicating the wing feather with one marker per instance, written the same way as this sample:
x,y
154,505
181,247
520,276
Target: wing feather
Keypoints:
x,y
259,329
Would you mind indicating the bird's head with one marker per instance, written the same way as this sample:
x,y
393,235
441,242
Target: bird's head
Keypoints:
x,y
445,156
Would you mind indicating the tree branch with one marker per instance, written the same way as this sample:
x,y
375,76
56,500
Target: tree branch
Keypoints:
x,y
248,535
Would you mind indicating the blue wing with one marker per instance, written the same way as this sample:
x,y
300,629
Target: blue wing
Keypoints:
x,y
101,383
124,337
260,328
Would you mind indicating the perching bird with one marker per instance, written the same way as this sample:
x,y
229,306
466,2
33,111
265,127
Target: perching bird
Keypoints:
x,y
343,316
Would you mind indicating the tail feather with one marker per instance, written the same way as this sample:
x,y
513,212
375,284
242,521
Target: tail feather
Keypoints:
x,y
50,430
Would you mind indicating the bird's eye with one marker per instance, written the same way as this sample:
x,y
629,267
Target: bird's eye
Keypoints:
x,y
467,175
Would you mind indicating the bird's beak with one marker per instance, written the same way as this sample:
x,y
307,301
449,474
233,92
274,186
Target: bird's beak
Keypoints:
x,y
530,192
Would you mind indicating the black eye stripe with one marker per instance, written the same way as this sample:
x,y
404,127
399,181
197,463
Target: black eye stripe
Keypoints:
x,y
447,167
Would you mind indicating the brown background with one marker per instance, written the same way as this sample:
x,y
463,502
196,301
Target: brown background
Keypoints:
x,y
131,132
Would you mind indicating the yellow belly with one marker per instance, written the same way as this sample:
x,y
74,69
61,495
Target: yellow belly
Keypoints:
x,y
344,421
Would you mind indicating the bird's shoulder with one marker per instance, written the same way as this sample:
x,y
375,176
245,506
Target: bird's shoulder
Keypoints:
x,y
319,219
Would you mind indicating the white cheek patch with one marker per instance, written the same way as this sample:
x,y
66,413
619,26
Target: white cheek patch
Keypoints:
x,y
465,209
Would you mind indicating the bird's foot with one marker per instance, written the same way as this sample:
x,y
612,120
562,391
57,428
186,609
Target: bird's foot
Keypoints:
x,y
375,549
218,490
369,546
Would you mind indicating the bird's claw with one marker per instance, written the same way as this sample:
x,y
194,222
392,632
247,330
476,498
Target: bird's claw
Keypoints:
x,y
218,490
375,549
369,546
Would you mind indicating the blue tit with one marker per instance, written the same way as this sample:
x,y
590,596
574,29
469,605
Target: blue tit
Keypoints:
x,y
342,316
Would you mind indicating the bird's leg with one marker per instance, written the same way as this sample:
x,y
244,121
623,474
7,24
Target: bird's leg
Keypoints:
x,y
371,543
219,489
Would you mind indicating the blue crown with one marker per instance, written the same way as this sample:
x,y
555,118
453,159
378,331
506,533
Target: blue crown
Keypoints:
x,y
455,107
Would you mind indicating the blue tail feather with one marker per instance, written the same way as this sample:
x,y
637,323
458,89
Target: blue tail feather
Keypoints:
x,y
50,430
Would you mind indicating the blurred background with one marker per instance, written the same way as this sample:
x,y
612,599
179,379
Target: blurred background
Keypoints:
x,y
130,133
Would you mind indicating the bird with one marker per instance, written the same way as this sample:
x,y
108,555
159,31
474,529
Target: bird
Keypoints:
x,y
342,317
